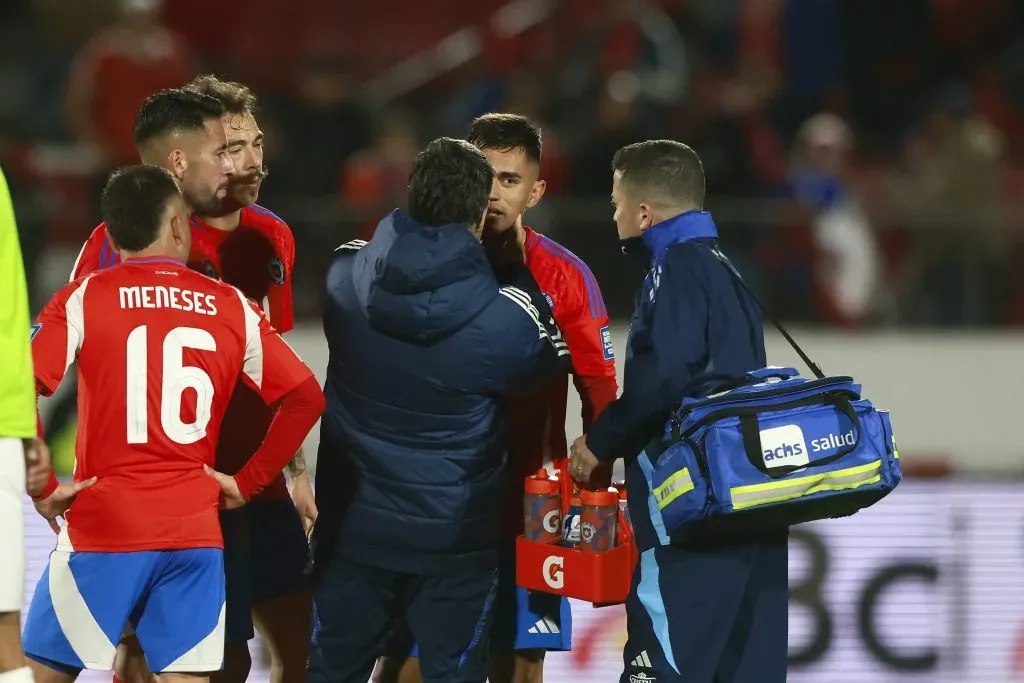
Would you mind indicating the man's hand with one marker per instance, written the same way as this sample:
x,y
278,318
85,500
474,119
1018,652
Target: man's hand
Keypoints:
x,y
37,465
582,463
304,500
230,496
59,501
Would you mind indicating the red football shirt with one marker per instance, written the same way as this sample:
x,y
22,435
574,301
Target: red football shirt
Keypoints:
x,y
536,423
160,350
258,257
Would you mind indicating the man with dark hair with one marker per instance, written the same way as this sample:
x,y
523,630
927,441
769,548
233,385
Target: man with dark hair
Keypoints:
x,y
266,553
181,131
249,247
528,624
425,346
160,349
698,612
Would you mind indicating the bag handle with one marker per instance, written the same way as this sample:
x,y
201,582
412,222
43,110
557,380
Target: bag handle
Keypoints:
x,y
750,431
771,318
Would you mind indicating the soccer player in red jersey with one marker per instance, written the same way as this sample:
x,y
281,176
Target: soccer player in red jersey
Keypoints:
x,y
266,552
252,249
526,624
160,350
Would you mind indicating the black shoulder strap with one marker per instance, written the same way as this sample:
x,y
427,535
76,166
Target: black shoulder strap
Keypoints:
x,y
774,321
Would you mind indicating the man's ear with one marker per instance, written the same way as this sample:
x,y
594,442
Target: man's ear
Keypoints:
x,y
646,216
536,193
179,228
177,164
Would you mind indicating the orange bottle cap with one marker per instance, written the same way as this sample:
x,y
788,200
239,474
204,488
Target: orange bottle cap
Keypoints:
x,y
600,498
545,485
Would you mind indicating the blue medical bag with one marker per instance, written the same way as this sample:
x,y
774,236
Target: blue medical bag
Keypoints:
x,y
769,450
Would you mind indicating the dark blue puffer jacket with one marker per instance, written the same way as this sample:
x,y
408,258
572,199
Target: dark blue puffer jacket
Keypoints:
x,y
424,348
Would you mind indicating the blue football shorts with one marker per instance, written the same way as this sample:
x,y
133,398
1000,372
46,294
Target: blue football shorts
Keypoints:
x,y
173,599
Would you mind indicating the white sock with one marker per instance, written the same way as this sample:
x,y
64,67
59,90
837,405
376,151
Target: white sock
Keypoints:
x,y
22,675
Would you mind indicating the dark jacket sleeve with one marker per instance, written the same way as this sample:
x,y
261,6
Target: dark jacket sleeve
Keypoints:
x,y
530,348
668,349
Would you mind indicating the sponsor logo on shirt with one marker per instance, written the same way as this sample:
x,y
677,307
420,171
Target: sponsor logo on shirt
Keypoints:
x,y
606,343
277,271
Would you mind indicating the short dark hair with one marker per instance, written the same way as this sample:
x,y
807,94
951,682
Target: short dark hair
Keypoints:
x,y
450,184
133,204
174,110
662,170
507,131
236,97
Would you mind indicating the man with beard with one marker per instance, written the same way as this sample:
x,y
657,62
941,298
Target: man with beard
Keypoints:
x,y
528,624
266,554
182,131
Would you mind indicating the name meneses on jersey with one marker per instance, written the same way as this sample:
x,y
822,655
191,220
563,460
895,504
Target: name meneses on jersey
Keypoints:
x,y
159,296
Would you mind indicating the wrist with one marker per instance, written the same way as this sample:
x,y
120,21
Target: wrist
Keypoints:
x,y
246,484
51,486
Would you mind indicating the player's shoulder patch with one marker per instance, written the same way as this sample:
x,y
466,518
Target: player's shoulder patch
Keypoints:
x,y
278,273
354,245
35,330
606,344
210,270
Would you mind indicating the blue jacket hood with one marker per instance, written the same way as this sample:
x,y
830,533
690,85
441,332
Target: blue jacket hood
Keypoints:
x,y
419,283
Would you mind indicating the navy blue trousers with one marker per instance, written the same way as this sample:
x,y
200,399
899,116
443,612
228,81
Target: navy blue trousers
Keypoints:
x,y
709,614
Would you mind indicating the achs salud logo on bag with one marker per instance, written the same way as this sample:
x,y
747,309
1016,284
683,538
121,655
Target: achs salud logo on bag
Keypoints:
x,y
784,446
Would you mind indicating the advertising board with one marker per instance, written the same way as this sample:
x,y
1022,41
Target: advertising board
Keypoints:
x,y
928,585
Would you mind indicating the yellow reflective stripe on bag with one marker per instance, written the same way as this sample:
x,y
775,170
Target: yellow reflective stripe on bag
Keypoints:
x,y
679,483
791,489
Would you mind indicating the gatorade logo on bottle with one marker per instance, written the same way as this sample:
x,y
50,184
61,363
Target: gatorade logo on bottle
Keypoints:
x,y
553,522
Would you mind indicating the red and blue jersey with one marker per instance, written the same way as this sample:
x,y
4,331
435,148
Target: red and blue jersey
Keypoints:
x,y
536,423
257,257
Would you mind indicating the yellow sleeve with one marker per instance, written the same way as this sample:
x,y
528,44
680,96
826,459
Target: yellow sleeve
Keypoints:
x,y
17,386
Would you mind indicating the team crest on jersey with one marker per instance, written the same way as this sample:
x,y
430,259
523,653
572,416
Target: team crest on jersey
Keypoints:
x,y
35,331
277,273
606,343
210,270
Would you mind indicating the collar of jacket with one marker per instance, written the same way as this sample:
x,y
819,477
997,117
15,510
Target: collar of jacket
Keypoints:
x,y
685,227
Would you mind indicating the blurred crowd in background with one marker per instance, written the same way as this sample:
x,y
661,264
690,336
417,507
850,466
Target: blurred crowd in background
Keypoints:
x,y
864,157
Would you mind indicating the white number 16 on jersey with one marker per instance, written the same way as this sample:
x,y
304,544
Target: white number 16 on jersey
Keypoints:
x,y
177,377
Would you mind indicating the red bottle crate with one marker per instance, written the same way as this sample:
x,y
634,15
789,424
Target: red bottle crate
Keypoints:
x,y
600,578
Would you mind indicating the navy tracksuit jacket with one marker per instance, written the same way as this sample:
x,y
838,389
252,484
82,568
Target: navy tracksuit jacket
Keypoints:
x,y
411,475
697,613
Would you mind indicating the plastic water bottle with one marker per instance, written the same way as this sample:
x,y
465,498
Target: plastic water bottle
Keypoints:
x,y
571,534
624,509
542,508
597,525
